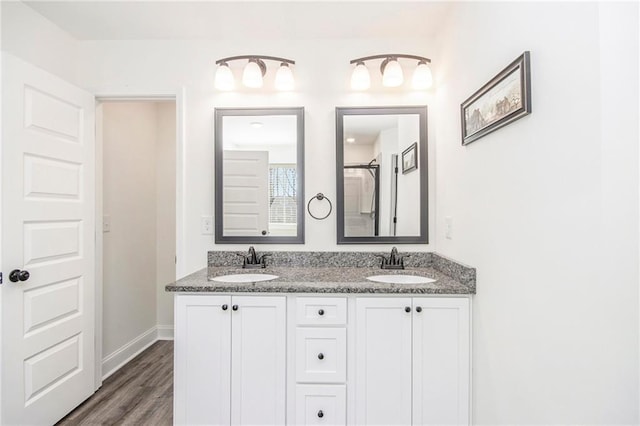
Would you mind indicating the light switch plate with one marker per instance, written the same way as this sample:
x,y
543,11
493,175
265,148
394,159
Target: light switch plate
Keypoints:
x,y
448,227
206,225
106,223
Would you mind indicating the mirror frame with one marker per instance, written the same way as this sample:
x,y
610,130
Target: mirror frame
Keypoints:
x,y
421,111
220,113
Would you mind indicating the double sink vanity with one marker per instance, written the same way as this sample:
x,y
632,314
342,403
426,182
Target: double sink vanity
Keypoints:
x,y
323,338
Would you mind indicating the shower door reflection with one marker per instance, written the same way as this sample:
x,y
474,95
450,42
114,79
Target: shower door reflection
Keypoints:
x,y
361,200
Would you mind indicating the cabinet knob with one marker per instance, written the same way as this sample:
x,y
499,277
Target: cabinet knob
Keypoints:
x,y
225,307
234,307
320,355
419,309
321,312
407,309
320,414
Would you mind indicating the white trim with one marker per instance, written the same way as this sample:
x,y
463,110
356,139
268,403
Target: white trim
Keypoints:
x,y
165,332
97,332
117,359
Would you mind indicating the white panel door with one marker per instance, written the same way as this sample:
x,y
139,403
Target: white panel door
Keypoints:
x,y
48,211
441,361
258,366
245,198
202,377
383,361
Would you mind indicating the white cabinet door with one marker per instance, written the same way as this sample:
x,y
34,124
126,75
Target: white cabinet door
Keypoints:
x,y
258,366
203,360
441,361
383,361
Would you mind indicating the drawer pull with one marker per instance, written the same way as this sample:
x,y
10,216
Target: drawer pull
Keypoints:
x,y
320,355
419,309
225,307
407,309
321,312
320,414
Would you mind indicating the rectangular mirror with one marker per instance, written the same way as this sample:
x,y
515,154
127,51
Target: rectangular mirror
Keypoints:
x,y
381,175
259,186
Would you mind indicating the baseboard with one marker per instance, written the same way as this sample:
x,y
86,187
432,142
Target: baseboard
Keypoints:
x,y
165,332
116,360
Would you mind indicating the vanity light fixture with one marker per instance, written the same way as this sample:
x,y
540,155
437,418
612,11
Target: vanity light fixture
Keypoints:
x,y
253,73
392,73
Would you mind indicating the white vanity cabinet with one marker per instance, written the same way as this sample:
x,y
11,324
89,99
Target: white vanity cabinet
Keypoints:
x,y
412,361
321,359
230,365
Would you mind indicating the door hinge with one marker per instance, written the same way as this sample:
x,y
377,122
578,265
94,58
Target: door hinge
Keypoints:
x,y
395,220
0,277
396,170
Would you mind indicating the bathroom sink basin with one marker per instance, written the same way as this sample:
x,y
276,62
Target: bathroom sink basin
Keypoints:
x,y
400,279
244,278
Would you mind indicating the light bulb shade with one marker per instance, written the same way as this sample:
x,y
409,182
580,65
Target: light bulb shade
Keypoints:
x,y
252,75
360,79
284,78
392,75
422,77
224,78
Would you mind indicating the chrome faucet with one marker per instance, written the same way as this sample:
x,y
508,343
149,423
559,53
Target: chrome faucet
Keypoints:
x,y
394,261
252,260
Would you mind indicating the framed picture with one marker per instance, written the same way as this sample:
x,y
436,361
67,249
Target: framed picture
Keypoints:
x,y
410,159
504,99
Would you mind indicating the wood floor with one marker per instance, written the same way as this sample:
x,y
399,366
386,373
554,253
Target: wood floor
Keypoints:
x,y
140,393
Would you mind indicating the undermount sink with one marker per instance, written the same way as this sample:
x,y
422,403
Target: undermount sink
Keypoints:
x,y
244,278
400,279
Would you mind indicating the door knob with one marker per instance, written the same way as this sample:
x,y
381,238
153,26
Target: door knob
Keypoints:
x,y
264,232
225,307
320,414
234,307
419,309
407,309
321,312
18,275
321,356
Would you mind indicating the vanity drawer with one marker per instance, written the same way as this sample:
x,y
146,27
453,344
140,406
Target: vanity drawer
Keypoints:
x,y
321,355
321,405
321,310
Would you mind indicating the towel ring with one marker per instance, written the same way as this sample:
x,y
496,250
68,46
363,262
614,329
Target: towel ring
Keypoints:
x,y
319,196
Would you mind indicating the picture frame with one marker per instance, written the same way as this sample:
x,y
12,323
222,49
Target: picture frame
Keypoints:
x,y
410,159
503,100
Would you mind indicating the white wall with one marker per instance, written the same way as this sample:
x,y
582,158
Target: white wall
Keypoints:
x,y
35,39
322,76
165,211
547,210
139,185
408,184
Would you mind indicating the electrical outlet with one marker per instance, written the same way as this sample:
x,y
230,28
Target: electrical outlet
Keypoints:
x,y
106,223
206,225
448,227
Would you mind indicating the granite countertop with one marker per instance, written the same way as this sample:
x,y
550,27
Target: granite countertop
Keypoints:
x,y
296,279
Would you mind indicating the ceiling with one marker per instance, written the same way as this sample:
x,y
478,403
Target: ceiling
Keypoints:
x,y
143,20
263,130
366,128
